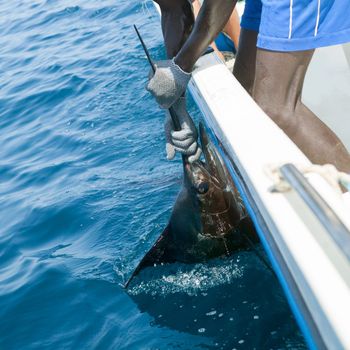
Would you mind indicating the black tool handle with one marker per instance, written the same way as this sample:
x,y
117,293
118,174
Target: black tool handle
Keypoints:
x,y
171,109
172,113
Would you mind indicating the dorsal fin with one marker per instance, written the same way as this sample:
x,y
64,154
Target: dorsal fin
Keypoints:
x,y
159,253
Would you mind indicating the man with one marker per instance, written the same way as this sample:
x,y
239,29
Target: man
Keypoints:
x,y
277,42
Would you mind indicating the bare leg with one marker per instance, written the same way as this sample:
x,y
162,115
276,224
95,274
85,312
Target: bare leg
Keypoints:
x,y
244,68
278,84
177,24
233,28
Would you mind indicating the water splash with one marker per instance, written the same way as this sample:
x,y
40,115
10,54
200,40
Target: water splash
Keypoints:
x,y
190,279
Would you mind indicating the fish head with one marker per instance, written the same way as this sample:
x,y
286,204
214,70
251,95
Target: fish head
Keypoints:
x,y
219,203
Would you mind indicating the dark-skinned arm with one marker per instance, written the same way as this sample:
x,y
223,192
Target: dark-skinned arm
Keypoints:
x,y
172,76
212,18
177,24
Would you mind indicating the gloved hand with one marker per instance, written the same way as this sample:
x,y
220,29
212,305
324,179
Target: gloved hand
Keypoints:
x,y
185,140
168,83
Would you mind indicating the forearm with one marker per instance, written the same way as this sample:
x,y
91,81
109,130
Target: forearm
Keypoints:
x,y
171,77
177,23
212,17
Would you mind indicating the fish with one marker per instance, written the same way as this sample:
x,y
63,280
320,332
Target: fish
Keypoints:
x,y
208,219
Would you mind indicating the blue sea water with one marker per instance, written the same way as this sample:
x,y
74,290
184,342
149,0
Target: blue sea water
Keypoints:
x,y
85,189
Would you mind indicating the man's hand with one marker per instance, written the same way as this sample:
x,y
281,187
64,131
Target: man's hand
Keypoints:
x,y
168,83
185,140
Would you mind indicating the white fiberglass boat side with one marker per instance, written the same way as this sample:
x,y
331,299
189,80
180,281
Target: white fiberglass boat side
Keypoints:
x,y
312,265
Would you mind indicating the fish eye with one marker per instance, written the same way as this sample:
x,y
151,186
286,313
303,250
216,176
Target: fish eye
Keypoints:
x,y
202,187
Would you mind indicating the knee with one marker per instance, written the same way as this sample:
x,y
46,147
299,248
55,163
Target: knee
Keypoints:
x,y
283,115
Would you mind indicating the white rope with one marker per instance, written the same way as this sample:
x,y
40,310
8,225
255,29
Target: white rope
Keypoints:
x,y
273,173
345,180
329,172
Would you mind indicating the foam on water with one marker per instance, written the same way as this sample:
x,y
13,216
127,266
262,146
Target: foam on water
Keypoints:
x,y
190,279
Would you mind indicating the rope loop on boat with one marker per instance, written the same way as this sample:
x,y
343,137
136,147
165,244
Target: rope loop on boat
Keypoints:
x,y
329,172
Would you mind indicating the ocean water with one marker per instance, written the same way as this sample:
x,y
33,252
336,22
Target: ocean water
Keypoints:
x,y
85,189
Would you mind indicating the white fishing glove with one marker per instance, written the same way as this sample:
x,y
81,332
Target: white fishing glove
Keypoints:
x,y
185,140
168,83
